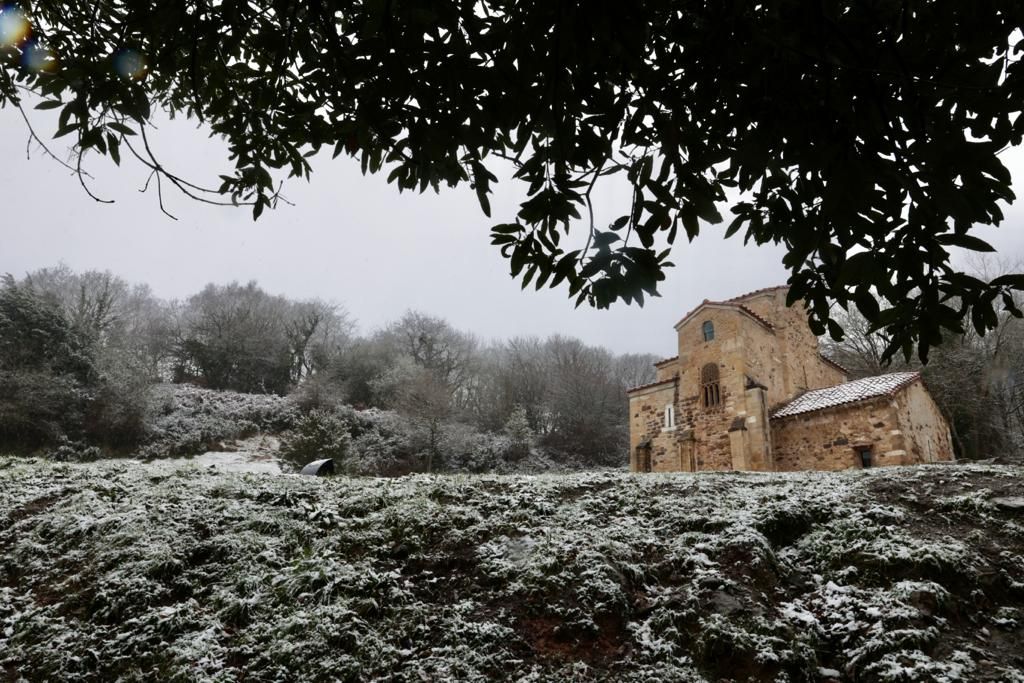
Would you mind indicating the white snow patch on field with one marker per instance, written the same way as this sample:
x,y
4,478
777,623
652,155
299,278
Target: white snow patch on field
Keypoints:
x,y
237,461
165,570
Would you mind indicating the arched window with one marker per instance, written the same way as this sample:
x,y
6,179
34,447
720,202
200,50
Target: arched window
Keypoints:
x,y
710,393
709,330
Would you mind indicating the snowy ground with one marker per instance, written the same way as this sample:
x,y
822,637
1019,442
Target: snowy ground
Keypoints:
x,y
256,455
148,571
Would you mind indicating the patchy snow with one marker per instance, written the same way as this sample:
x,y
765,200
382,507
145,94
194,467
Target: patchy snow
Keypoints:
x,y
237,461
849,392
134,571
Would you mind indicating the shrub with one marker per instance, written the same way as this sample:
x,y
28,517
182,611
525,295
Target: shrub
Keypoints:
x,y
74,451
46,370
464,449
187,420
383,444
318,392
118,412
317,434
519,433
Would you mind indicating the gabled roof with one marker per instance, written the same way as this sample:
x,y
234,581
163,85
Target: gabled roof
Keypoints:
x,y
671,379
665,361
727,305
756,292
849,392
833,363
736,302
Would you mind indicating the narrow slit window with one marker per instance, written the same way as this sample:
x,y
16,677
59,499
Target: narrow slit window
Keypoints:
x,y
711,393
670,417
709,330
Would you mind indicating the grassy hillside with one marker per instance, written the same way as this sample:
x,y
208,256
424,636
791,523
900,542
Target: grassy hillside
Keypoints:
x,y
115,569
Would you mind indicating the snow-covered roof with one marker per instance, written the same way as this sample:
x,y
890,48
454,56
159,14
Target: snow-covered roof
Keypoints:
x,y
849,392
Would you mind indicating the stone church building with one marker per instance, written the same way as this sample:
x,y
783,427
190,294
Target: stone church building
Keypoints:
x,y
750,390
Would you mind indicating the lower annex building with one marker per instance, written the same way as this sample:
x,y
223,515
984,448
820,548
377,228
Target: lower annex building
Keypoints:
x,y
750,390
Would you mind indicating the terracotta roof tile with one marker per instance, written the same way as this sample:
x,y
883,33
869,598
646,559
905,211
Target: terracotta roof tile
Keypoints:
x,y
833,363
726,304
848,392
763,290
663,361
673,378
751,312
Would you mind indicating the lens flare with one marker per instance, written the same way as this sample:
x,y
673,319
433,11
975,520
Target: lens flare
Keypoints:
x,y
130,64
14,26
38,58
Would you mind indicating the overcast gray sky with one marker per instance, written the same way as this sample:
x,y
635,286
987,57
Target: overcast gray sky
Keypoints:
x,y
354,240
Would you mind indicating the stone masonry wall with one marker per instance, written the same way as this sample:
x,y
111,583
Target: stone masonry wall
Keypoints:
x,y
728,351
666,371
646,422
750,433
784,359
826,439
796,364
925,430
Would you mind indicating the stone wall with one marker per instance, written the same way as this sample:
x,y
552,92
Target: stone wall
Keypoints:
x,y
761,366
646,424
728,351
750,433
666,369
795,364
925,431
828,439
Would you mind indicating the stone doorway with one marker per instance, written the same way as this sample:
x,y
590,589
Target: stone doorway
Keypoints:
x,y
687,456
643,457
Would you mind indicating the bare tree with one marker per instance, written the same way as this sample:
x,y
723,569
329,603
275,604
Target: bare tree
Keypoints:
x,y
316,332
431,343
421,394
635,369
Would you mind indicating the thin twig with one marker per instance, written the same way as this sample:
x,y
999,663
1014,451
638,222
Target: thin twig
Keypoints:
x,y
34,136
160,198
81,180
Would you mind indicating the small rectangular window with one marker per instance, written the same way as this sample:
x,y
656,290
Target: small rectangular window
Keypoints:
x,y
864,457
670,417
709,331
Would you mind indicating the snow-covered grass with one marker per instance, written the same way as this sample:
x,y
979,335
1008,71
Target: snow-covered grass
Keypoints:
x,y
187,420
139,572
183,420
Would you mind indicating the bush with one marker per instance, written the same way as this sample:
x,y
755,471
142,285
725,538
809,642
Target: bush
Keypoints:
x,y
74,451
118,412
383,444
46,370
38,408
318,392
187,420
519,433
317,434
464,449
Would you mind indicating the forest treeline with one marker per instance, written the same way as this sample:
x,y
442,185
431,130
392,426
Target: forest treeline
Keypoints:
x,y
81,354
